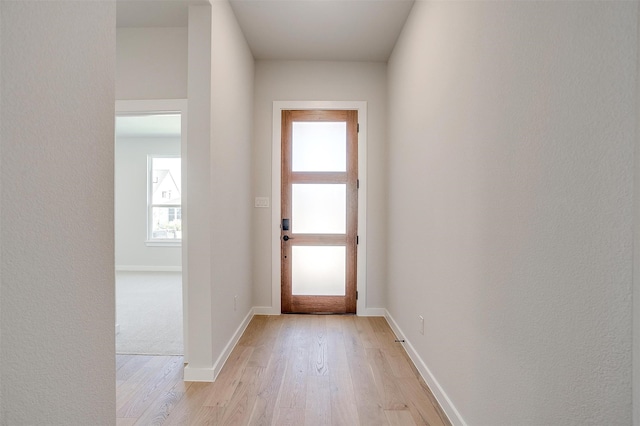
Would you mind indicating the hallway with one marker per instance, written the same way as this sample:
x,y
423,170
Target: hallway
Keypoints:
x,y
286,370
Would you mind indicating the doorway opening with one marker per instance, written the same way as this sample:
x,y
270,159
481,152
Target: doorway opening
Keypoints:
x,y
277,235
319,204
150,228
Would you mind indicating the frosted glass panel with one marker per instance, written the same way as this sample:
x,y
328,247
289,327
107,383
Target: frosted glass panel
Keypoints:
x,y
319,208
318,270
319,147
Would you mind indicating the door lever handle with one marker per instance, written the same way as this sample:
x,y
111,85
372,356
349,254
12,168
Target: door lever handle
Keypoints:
x,y
287,238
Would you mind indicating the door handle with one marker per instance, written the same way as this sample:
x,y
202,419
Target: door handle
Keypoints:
x,y
287,238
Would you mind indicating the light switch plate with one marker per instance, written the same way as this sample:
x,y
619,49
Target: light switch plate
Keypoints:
x,y
262,202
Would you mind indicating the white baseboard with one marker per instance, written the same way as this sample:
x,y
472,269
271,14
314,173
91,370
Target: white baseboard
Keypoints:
x,y
146,268
231,344
209,374
447,406
265,310
372,312
368,312
198,374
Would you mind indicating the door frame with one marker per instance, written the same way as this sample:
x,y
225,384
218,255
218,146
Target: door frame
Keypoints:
x,y
167,106
276,179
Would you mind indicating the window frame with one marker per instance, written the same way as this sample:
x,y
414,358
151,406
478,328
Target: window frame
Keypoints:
x,y
151,241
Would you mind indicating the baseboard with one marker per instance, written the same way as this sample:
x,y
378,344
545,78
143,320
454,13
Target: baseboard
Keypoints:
x,y
368,312
210,374
145,268
217,367
372,312
447,406
198,374
265,310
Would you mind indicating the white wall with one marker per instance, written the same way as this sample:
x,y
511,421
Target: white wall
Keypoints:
x,y
511,169
232,79
197,256
636,252
151,63
57,305
221,72
131,177
321,81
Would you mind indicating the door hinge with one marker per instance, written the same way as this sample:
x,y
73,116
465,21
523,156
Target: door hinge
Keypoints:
x,y
358,127
357,239
357,183
356,294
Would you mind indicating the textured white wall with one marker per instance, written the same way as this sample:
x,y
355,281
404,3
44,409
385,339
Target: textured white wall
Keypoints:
x,y
321,81
197,257
511,177
636,252
232,74
219,159
131,175
57,305
151,63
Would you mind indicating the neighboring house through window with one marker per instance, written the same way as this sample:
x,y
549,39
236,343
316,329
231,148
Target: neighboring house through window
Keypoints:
x,y
164,200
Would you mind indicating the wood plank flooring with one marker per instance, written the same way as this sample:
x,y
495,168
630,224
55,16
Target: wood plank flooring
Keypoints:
x,y
286,370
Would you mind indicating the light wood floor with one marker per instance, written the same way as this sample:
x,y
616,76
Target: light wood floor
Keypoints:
x,y
286,370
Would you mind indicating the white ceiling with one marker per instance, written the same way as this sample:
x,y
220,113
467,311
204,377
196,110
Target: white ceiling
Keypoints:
x,y
342,30
338,30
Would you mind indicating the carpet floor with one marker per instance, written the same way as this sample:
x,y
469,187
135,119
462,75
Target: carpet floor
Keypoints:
x,y
149,313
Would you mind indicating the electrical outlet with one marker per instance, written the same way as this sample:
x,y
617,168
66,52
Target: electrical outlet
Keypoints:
x,y
235,303
421,319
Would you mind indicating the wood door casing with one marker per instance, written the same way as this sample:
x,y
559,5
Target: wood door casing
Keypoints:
x,y
320,304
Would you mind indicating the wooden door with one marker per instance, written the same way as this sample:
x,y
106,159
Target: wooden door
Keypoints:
x,y
319,211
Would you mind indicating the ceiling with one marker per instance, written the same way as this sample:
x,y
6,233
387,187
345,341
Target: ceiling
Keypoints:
x,y
344,30
337,30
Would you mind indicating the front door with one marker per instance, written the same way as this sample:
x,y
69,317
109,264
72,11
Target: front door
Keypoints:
x,y
319,211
